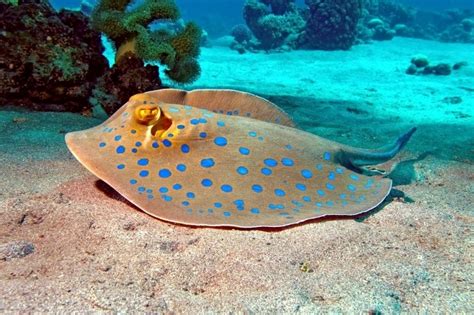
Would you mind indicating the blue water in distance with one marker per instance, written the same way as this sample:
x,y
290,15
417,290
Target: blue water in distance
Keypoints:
x,y
218,17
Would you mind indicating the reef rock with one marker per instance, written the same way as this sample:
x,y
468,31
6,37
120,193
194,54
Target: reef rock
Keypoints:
x,y
331,24
273,21
127,77
49,60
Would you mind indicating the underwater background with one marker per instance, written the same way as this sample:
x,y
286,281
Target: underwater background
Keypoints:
x,y
357,72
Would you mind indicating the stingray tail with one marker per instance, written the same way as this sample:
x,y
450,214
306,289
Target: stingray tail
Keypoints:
x,y
362,157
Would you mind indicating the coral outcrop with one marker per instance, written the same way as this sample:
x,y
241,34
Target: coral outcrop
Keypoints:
x,y
127,77
49,60
331,25
273,21
129,30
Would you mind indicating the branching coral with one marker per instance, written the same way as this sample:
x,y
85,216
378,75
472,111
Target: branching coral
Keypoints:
x,y
129,29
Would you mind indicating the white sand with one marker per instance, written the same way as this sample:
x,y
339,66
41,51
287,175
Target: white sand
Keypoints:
x,y
95,252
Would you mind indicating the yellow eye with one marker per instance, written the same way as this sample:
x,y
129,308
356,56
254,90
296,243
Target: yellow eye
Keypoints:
x,y
147,114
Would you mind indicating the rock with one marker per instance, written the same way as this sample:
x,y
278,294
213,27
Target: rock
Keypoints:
x,y
49,60
459,65
442,69
16,249
383,33
411,69
420,61
127,77
428,70
241,33
467,24
375,22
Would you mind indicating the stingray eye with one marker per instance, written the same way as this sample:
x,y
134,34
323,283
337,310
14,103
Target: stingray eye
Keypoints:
x,y
147,114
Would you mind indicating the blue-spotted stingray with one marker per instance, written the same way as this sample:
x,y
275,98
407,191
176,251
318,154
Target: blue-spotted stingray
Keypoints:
x,y
227,158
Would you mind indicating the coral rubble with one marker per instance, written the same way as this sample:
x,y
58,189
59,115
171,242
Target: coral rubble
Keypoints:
x,y
49,60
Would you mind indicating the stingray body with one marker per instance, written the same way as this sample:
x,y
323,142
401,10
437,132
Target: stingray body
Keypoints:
x,y
225,158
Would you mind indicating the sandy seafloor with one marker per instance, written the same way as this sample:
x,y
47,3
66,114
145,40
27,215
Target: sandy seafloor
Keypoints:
x,y
95,252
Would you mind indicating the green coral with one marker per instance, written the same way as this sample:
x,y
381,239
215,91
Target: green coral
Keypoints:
x,y
130,32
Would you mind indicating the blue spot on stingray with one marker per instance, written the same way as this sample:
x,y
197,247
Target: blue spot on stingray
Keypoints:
x,y
141,189
164,173
297,203
155,144
330,186
134,150
194,121
170,135
289,147
207,163
280,192
206,182
260,138
327,156
120,149
339,170
301,187
332,176
321,192
220,123
173,110
244,151
226,188
133,131
255,210
306,173
143,162
149,190
202,120
102,144
181,167
307,198
163,190
181,126
257,188
167,143
226,213
177,186
270,162
133,181
319,167
318,204
242,170
143,173
167,198
266,171
121,166
220,141
287,162
150,196
190,195
185,203
203,135
138,144
252,134
229,113
117,138
351,187
343,196
330,203
185,148
354,177
217,204
369,183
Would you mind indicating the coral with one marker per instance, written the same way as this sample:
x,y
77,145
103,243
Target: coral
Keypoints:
x,y
241,33
127,77
49,60
332,24
272,21
130,32
420,61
